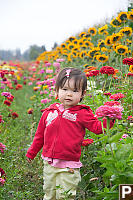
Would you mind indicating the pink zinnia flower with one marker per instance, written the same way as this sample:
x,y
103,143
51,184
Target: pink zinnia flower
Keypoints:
x,y
117,96
124,136
113,112
47,64
2,147
1,120
112,103
60,60
2,181
86,142
44,101
107,70
130,118
6,94
56,64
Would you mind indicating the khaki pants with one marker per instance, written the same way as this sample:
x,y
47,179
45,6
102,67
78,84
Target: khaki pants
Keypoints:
x,y
60,183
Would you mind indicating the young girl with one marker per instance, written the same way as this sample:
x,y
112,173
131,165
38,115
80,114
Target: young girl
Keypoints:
x,y
60,132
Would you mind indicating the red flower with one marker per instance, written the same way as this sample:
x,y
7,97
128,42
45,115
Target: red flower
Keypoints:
x,y
14,115
117,96
107,70
112,103
107,93
86,142
18,86
92,73
2,177
30,111
10,98
128,61
6,102
130,74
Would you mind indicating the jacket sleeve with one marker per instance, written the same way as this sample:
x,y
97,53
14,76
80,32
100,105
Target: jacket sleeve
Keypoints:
x,y
92,123
38,140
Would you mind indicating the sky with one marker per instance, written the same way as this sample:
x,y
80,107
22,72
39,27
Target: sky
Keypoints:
x,y
43,22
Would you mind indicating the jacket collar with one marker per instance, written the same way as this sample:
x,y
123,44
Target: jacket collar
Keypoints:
x,y
74,108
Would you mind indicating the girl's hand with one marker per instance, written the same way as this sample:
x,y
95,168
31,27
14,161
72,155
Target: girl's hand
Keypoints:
x,y
29,160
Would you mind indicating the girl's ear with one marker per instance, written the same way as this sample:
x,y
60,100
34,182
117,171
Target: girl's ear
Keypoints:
x,y
84,93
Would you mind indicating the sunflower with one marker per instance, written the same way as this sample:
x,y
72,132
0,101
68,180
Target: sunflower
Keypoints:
x,y
88,36
101,43
122,16
102,29
74,54
88,44
102,58
63,45
129,42
126,30
115,38
71,38
116,22
82,34
82,54
121,49
70,46
93,51
75,41
104,49
130,15
108,41
131,68
92,31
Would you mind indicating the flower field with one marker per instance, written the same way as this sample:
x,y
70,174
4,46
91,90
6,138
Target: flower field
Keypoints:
x,y
105,54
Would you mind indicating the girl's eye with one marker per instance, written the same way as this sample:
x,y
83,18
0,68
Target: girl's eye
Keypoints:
x,y
75,90
64,89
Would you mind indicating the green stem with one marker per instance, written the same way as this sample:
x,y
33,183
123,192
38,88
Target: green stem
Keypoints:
x,y
108,134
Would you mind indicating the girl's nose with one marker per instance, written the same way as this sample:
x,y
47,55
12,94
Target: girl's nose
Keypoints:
x,y
69,93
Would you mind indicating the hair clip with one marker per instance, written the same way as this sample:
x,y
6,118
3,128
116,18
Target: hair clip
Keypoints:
x,y
68,72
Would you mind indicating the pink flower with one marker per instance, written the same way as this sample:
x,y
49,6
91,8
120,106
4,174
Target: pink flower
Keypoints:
x,y
44,101
2,181
2,147
130,118
112,103
49,71
1,120
124,136
56,64
86,142
6,94
47,64
117,96
113,112
60,60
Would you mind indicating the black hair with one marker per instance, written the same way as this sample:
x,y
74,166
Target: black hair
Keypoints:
x,y
79,77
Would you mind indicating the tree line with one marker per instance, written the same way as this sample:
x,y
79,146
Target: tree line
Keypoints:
x,y
30,54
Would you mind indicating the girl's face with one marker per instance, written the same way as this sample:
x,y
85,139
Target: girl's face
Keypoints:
x,y
68,95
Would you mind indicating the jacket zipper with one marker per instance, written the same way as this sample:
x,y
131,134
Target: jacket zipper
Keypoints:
x,y
56,135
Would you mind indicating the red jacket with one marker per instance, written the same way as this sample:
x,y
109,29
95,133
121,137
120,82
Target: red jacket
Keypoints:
x,y
61,133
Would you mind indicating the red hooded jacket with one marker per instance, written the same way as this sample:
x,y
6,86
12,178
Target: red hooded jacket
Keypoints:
x,y
61,133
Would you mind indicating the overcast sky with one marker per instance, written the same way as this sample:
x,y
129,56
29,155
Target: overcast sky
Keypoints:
x,y
43,22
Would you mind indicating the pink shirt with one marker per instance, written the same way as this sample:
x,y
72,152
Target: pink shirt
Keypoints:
x,y
62,163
